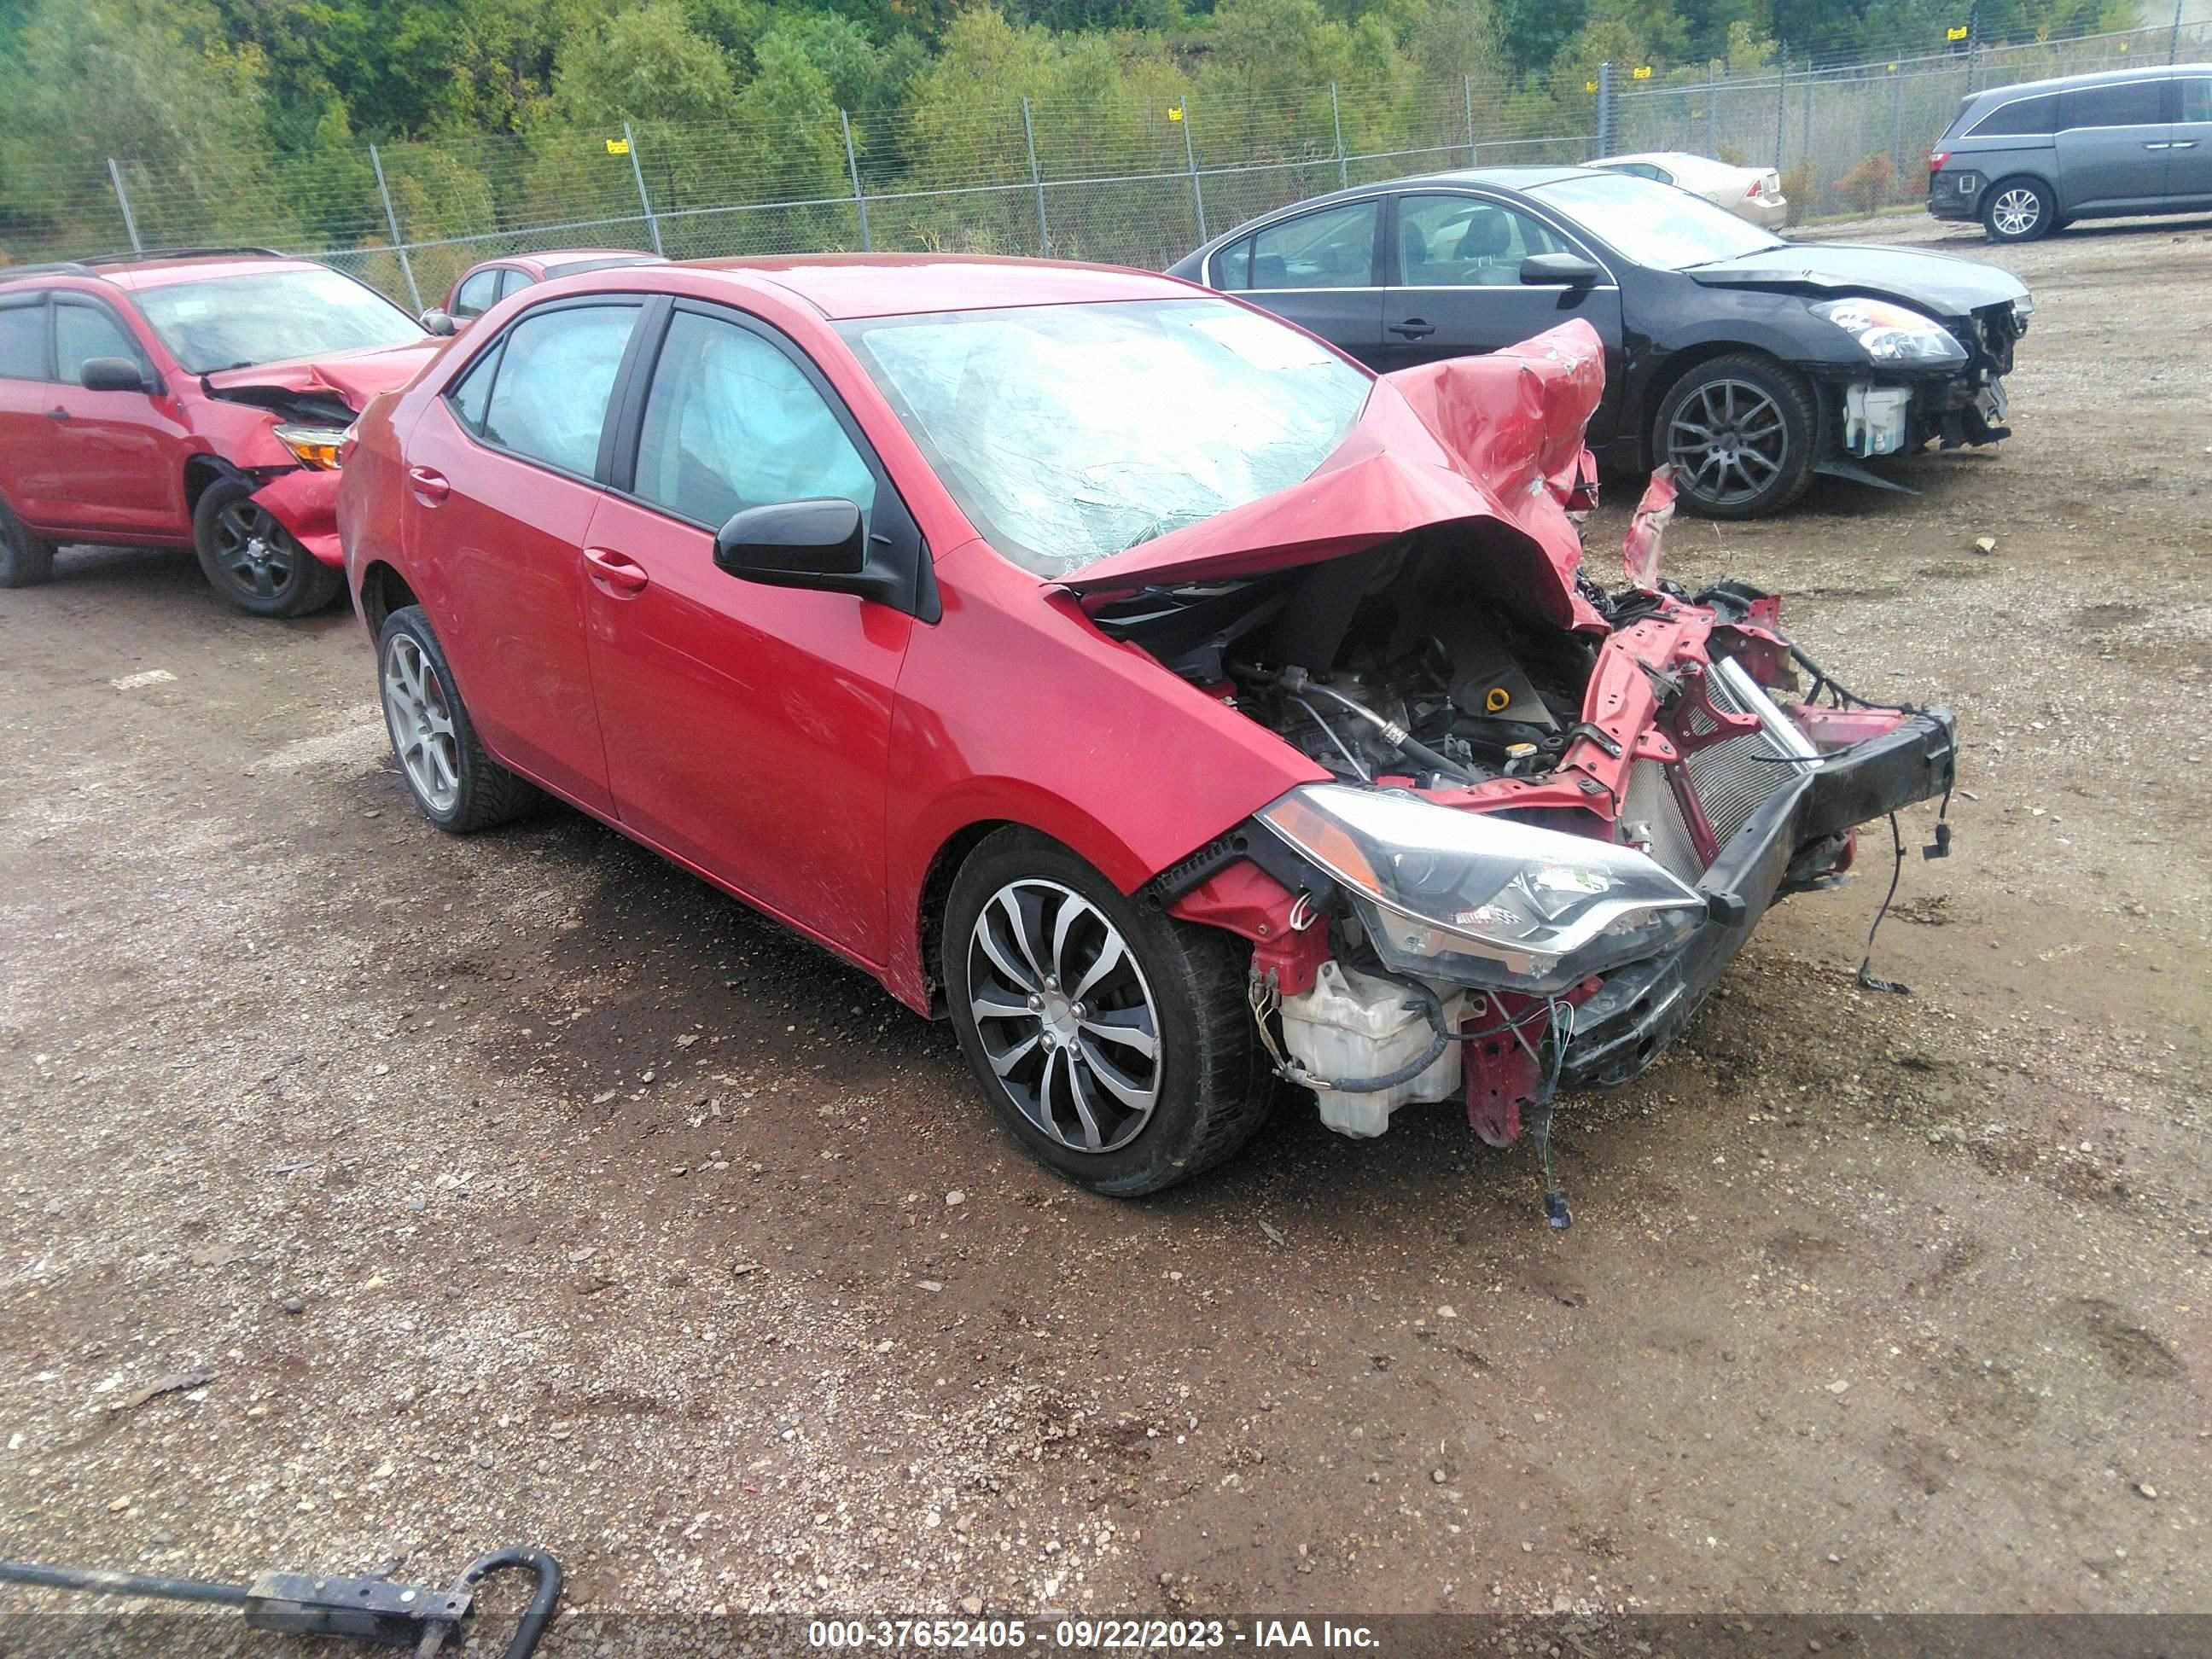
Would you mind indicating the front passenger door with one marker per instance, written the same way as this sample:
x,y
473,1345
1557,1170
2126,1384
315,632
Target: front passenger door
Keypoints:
x,y
1456,288
748,727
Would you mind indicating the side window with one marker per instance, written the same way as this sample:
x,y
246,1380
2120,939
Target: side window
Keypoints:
x,y
732,423
2022,116
473,397
557,370
512,281
1233,267
1642,170
23,341
1456,241
1333,248
477,296
2197,99
81,331
2130,104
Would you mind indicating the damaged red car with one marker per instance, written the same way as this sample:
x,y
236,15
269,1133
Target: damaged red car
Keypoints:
x,y
1114,670
195,399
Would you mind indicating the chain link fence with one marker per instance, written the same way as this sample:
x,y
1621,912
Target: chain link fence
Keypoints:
x,y
1853,139
1109,178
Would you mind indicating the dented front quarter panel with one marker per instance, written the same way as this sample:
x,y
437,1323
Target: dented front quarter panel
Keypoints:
x,y
305,501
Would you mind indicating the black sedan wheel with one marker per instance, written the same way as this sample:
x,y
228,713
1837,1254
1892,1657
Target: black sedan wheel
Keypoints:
x,y
1739,430
253,561
2017,210
1115,1043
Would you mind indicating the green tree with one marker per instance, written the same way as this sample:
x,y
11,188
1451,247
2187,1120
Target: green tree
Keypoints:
x,y
645,65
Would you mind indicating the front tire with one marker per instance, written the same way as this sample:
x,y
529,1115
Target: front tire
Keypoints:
x,y
254,561
1113,1043
2018,210
25,560
455,782
1739,430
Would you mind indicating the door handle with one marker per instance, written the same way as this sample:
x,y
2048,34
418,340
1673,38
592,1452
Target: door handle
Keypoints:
x,y
2158,146
430,488
616,572
1414,328
2183,143
58,413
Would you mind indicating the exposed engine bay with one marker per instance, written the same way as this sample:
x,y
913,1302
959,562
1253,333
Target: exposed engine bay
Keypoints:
x,y
1381,665
1627,797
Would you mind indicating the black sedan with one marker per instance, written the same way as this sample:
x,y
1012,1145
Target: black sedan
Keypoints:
x,y
1749,361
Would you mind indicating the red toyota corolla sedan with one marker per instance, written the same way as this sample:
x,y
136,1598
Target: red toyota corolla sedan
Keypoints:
x,y
1114,669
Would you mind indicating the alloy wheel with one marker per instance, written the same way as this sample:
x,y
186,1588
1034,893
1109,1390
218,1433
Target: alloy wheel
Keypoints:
x,y
253,550
1729,441
2015,211
1064,1015
422,720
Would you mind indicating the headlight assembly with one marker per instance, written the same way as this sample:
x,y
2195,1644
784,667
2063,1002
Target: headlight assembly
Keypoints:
x,y
1892,333
1476,900
316,446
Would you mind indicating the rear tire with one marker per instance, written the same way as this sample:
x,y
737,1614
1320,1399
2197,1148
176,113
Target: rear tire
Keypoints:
x,y
25,560
2018,210
1057,984
1739,430
455,782
254,561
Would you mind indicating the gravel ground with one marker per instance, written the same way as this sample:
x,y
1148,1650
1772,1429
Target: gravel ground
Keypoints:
x,y
373,1198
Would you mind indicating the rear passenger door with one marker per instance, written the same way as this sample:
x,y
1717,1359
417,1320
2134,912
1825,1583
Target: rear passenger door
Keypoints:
x,y
2189,162
25,433
2114,144
1322,271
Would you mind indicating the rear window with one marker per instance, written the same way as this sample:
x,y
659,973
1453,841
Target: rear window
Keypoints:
x,y
2022,115
2130,104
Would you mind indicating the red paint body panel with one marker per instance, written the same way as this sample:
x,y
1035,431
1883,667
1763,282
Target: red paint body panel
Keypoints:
x,y
815,754
116,468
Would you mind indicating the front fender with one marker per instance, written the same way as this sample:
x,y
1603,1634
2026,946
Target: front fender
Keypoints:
x,y
306,502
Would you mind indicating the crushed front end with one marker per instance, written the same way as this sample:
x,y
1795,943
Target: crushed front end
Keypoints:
x,y
1553,813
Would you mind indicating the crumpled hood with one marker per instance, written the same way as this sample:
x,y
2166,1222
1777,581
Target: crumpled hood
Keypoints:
x,y
1939,282
1491,443
353,377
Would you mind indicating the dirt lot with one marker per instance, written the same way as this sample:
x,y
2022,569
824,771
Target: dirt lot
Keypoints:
x,y
522,1188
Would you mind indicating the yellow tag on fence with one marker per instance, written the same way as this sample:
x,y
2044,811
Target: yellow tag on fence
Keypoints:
x,y
1955,34
1176,113
1642,72
617,146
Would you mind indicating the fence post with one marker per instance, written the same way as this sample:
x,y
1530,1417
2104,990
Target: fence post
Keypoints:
x,y
1896,121
852,166
1712,111
637,172
1781,97
1190,160
1805,156
391,218
1343,164
1467,85
1036,181
2173,40
130,224
1605,107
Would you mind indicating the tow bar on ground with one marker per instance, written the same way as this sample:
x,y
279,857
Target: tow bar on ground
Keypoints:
x,y
359,1610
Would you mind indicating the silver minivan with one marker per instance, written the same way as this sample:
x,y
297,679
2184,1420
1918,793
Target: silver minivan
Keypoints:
x,y
2033,158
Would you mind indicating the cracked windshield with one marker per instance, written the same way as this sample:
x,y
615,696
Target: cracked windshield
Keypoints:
x,y
1070,433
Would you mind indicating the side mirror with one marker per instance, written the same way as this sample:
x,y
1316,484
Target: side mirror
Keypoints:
x,y
821,545
437,321
1558,271
111,374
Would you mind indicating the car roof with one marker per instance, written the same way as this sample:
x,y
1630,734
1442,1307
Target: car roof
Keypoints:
x,y
140,270
842,286
2102,77
1521,178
